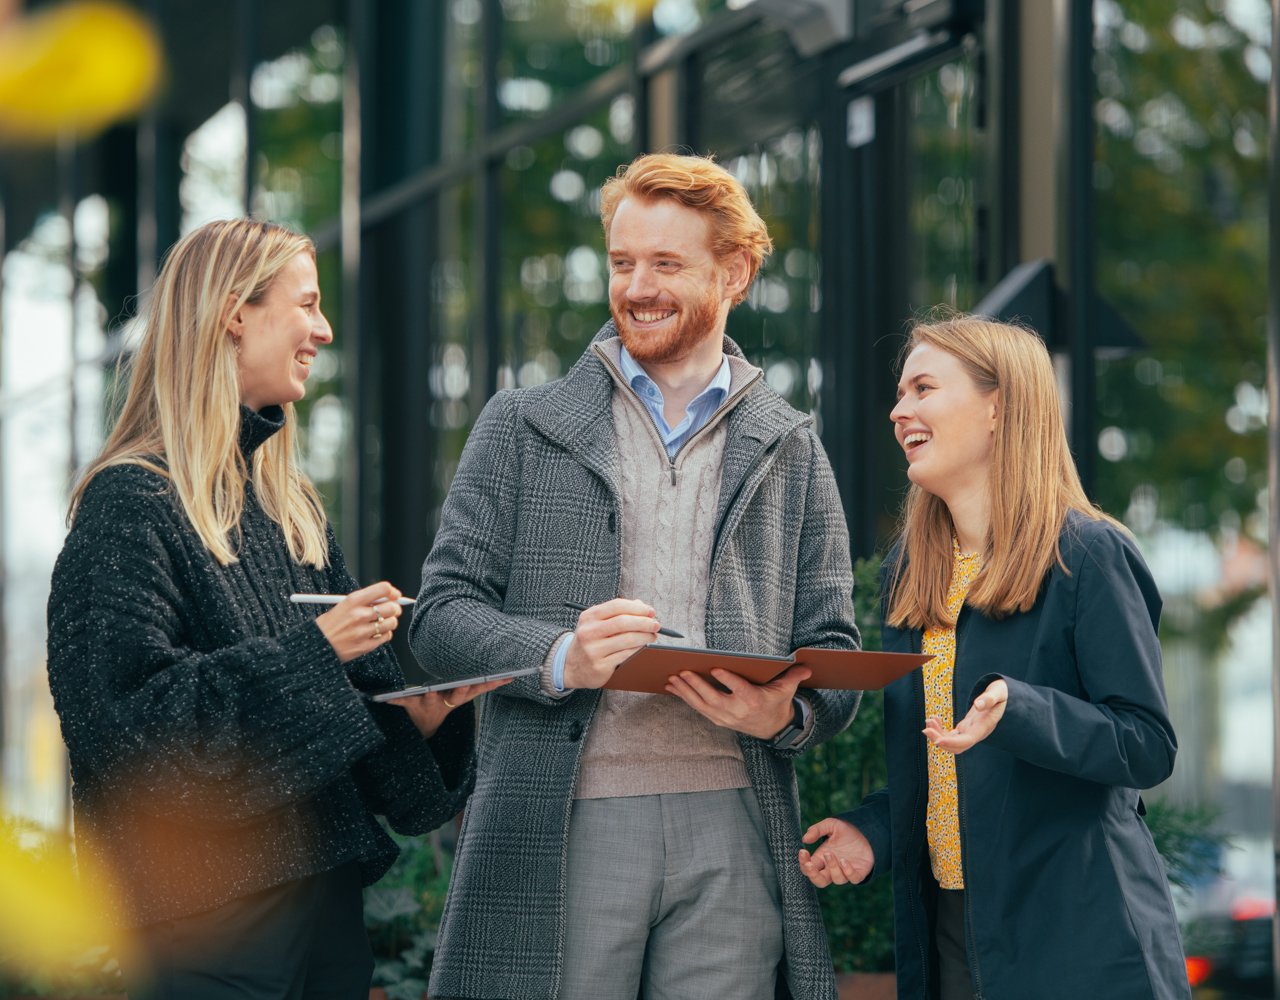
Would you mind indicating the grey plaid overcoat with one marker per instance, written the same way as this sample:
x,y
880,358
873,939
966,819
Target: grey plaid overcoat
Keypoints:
x,y
531,522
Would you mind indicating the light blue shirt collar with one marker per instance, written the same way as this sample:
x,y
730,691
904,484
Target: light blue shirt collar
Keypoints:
x,y
639,380
697,414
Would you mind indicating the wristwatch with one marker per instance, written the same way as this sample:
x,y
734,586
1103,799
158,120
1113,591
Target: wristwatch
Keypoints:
x,y
793,733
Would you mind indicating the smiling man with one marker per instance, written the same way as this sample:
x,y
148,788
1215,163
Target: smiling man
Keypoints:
x,y
622,844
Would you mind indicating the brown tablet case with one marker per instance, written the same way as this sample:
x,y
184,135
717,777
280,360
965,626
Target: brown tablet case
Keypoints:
x,y
648,668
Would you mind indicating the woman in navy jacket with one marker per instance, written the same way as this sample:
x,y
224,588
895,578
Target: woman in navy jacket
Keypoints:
x,y
1012,819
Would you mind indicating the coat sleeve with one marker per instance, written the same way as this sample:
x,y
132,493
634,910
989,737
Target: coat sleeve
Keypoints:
x,y
824,596
871,817
459,628
221,737
1119,732
417,784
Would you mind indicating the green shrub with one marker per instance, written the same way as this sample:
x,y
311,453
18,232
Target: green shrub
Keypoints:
x,y
402,913
1187,840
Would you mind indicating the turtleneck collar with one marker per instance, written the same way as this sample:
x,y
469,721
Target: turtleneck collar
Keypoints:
x,y
257,426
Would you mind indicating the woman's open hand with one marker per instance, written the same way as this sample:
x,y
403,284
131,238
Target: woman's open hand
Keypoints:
x,y
979,722
429,710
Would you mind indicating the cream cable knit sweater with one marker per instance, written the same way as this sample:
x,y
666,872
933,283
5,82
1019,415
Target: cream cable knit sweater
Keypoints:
x,y
643,744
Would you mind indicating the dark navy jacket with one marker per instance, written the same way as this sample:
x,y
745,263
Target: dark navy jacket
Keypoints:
x,y
1066,896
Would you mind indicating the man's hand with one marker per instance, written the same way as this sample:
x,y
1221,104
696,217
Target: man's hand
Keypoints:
x,y
976,726
845,856
760,710
606,635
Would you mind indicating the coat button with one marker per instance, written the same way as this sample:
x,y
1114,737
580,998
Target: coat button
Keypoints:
x,y
575,732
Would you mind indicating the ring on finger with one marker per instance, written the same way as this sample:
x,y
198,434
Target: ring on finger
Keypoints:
x,y
377,631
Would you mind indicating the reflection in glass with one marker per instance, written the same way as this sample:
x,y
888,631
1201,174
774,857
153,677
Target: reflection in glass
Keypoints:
x,y
212,185
35,442
680,17
91,224
550,48
777,325
752,86
297,109
461,73
945,144
52,416
554,277
37,309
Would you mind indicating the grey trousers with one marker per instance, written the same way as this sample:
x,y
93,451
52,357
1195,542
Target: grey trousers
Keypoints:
x,y
671,897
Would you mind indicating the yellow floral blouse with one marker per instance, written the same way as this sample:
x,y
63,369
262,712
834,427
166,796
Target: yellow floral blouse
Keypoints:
x,y
943,820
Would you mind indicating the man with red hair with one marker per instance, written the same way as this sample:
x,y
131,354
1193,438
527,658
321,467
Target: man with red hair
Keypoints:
x,y
622,844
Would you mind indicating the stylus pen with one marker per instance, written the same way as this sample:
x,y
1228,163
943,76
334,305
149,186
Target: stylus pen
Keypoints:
x,y
333,599
662,631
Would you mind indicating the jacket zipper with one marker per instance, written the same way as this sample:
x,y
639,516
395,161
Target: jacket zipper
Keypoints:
x,y
971,953
922,781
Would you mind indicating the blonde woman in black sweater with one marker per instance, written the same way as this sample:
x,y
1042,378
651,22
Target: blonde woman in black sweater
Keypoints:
x,y
226,767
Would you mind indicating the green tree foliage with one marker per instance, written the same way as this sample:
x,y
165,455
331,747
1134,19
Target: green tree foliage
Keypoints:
x,y
1181,189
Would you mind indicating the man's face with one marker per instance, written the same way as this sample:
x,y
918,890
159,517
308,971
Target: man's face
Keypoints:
x,y
667,291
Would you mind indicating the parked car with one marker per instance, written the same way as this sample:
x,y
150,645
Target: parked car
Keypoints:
x,y
1229,956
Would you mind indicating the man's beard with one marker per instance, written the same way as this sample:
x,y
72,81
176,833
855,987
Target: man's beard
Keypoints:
x,y
677,341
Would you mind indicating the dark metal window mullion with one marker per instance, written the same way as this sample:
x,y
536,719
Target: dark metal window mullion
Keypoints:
x,y
490,200
243,58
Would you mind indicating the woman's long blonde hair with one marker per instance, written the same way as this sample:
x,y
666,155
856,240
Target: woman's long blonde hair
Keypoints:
x,y
1032,483
181,416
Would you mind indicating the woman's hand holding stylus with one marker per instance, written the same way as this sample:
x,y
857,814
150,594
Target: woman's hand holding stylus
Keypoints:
x,y
362,621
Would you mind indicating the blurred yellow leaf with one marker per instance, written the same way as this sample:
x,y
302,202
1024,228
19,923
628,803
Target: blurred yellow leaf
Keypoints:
x,y
75,67
49,917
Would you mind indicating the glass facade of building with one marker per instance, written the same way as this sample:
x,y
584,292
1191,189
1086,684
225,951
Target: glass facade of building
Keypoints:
x,y
447,159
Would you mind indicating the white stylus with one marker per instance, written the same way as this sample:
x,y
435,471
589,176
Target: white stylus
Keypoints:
x,y
335,598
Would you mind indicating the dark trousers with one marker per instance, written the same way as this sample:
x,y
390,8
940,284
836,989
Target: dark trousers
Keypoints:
x,y
953,962
304,940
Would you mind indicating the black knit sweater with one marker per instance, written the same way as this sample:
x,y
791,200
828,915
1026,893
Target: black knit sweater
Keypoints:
x,y
217,745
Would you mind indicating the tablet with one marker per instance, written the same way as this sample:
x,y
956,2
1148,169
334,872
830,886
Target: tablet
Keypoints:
x,y
417,689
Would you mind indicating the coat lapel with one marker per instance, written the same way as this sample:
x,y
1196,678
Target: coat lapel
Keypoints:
x,y
754,425
577,415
